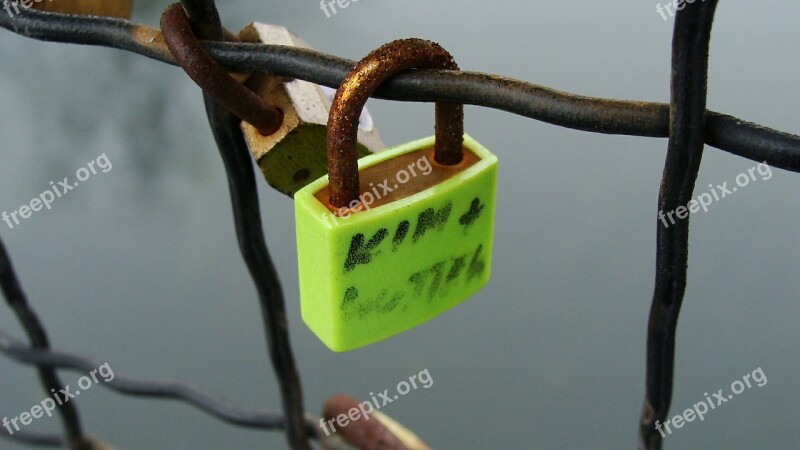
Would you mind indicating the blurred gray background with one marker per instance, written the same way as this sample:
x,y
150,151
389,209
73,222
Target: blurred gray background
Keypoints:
x,y
139,267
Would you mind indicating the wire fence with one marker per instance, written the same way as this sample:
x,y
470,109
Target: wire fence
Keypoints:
x,y
684,121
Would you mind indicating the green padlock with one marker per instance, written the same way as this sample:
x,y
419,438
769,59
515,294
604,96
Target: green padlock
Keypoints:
x,y
407,237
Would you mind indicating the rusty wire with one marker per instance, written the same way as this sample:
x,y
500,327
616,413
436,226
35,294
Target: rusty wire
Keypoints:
x,y
685,121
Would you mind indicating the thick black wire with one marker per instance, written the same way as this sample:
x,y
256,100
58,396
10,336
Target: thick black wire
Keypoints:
x,y
690,46
650,119
204,18
244,198
247,217
18,301
123,384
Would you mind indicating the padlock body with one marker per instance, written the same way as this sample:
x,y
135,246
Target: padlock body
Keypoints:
x,y
389,267
294,155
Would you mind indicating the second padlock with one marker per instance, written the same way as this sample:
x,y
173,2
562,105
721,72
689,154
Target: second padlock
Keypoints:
x,y
294,155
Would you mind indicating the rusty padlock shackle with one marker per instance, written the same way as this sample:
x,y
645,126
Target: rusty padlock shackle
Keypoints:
x,y
195,60
352,95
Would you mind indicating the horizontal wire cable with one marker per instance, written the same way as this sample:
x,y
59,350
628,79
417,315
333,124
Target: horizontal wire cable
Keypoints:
x,y
635,118
123,384
267,420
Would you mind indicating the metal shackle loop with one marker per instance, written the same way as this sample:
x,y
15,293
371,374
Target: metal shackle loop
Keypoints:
x,y
352,95
195,60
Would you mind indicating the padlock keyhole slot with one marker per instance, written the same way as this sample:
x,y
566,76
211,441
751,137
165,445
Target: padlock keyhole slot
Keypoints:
x,y
301,175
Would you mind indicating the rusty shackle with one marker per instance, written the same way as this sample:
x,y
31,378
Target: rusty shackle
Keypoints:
x,y
352,95
195,60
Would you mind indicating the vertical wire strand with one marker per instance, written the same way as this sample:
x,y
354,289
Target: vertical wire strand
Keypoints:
x,y
204,17
18,301
690,45
247,217
244,197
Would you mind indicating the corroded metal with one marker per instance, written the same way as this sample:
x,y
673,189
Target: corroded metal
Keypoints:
x,y
195,60
365,428
358,85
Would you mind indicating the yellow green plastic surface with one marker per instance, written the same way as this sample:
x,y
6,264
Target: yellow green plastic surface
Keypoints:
x,y
382,271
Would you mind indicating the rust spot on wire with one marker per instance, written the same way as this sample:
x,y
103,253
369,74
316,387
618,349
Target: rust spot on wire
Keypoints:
x,y
356,88
151,39
198,64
